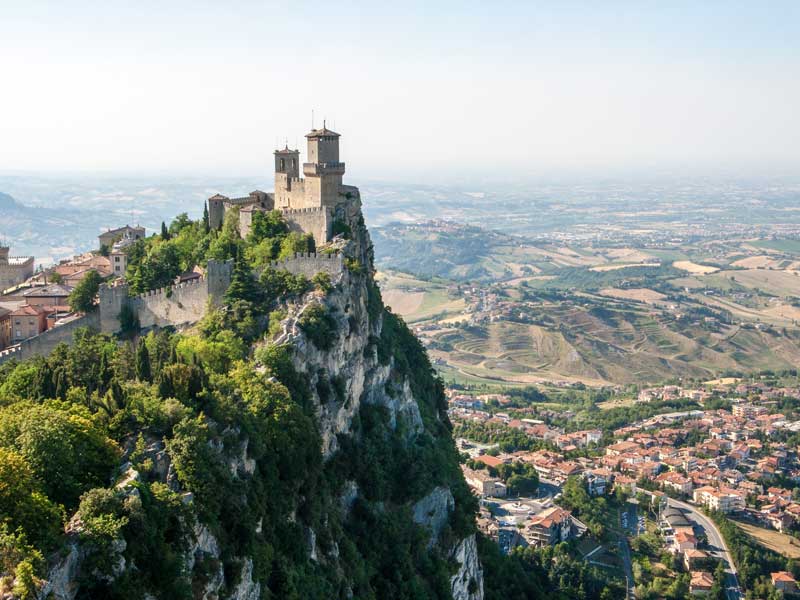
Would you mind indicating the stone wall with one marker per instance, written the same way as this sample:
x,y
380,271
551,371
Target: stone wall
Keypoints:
x,y
311,264
181,304
15,272
317,221
43,344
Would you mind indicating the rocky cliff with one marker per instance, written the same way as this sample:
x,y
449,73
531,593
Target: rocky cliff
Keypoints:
x,y
320,467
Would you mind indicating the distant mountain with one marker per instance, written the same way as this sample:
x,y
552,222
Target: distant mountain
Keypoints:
x,y
7,202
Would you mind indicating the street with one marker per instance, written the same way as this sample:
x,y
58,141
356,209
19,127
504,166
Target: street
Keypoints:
x,y
717,544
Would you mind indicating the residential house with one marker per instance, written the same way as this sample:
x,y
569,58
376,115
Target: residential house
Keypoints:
x,y
549,527
784,582
692,557
27,322
5,327
725,500
483,483
701,582
675,481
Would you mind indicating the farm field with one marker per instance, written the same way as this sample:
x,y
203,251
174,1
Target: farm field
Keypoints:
x,y
598,315
694,268
778,283
639,294
774,540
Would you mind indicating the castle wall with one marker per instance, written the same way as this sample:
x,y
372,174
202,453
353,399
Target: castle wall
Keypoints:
x,y
180,304
310,264
14,273
316,221
44,343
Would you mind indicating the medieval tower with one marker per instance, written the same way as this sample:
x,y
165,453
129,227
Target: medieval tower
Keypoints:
x,y
323,173
310,204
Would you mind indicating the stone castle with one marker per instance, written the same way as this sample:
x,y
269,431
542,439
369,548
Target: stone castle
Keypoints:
x,y
310,204
14,269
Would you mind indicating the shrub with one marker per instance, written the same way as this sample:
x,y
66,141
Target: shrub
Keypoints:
x,y
323,281
319,326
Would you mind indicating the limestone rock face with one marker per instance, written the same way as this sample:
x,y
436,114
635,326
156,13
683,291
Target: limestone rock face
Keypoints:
x,y
351,361
467,583
62,579
433,511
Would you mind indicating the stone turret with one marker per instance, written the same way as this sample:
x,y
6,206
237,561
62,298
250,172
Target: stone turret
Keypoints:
x,y
323,170
288,184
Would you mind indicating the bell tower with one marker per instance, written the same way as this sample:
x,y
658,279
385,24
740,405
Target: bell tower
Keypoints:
x,y
323,170
287,175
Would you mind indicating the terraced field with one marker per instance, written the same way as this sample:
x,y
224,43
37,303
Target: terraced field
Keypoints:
x,y
631,347
603,315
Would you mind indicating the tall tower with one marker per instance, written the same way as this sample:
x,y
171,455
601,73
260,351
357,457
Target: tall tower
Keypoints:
x,y
287,174
323,170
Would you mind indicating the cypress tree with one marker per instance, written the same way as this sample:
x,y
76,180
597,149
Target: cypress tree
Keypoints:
x,y
143,363
243,286
164,231
206,222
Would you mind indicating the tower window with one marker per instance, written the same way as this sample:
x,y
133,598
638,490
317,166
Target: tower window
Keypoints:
x,y
283,166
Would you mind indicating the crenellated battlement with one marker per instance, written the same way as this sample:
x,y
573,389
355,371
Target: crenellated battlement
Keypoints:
x,y
173,288
307,210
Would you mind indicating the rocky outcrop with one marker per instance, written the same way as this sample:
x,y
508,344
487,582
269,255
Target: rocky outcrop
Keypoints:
x,y
433,511
467,583
355,376
62,579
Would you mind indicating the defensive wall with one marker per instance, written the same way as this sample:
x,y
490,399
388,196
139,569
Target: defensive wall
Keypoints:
x,y
180,304
44,343
318,221
309,265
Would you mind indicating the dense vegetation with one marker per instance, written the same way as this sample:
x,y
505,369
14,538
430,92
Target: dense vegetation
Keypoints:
x,y
154,262
82,435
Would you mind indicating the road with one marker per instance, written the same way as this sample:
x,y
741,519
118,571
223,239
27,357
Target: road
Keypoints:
x,y
625,553
717,544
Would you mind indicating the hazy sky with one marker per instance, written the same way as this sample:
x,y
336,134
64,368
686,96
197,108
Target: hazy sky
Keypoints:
x,y
418,90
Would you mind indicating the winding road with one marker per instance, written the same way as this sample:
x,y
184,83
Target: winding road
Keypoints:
x,y
717,544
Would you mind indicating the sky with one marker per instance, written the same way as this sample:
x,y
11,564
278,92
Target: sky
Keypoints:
x,y
420,91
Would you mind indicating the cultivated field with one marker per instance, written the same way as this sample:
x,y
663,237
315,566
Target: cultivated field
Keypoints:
x,y
638,294
615,267
694,268
776,541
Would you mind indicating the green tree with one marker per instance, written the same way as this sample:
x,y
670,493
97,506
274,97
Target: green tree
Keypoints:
x,y
81,299
206,222
63,446
22,503
296,242
143,370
